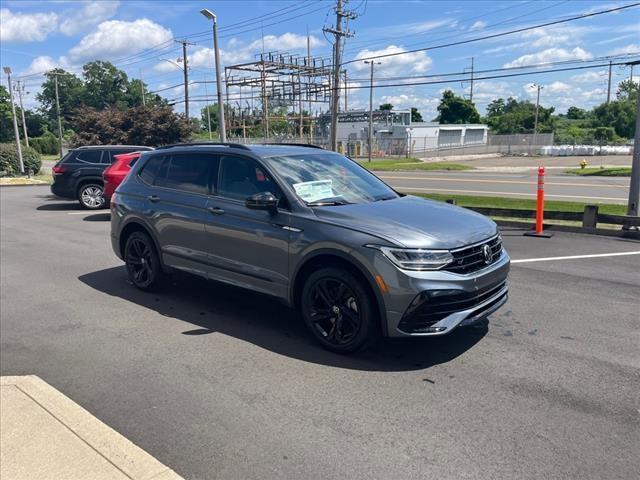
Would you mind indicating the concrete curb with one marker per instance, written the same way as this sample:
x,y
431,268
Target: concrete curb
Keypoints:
x,y
129,459
567,228
27,185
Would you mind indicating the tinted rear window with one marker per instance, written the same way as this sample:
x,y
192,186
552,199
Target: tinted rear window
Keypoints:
x,y
88,156
150,169
189,172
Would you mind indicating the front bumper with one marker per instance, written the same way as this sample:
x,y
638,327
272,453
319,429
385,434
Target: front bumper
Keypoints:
x,y
477,295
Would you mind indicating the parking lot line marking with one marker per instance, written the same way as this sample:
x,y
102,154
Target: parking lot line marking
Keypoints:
x,y
517,182
574,257
488,192
79,213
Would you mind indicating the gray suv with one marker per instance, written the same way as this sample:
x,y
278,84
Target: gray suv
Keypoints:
x,y
314,229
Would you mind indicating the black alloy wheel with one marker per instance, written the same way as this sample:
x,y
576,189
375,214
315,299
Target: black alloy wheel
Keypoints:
x,y
338,310
143,265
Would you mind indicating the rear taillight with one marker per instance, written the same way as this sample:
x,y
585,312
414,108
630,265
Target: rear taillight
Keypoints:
x,y
57,169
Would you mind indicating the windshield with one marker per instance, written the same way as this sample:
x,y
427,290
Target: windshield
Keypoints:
x,y
329,179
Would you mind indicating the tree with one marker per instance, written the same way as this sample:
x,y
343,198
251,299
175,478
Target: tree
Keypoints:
x,y
513,116
6,121
619,114
627,90
575,113
150,125
455,109
385,106
71,93
105,85
415,115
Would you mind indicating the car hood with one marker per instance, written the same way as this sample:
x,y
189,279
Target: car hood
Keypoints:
x,y
413,222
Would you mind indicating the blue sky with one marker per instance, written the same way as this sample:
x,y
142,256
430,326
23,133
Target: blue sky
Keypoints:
x,y
137,36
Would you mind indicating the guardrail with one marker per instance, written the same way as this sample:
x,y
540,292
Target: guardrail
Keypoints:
x,y
589,218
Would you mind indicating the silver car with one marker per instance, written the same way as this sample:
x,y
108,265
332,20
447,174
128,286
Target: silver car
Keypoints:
x,y
314,229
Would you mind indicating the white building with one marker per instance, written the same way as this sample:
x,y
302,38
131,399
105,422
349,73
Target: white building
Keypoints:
x,y
394,133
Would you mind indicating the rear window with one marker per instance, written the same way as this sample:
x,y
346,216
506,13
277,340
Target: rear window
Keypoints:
x,y
150,169
189,173
88,156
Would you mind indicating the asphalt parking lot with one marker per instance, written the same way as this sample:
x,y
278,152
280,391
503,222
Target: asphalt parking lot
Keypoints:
x,y
218,383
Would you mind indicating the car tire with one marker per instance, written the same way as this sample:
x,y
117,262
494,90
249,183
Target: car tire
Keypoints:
x,y
91,196
143,263
339,310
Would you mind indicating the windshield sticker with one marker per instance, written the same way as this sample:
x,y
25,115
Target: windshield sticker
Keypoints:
x,y
314,191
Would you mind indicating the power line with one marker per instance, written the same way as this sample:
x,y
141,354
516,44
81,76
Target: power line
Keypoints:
x,y
495,35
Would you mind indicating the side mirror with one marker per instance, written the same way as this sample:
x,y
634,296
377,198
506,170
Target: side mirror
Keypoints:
x,y
263,201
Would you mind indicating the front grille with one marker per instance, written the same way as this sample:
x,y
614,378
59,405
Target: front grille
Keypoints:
x,y
471,259
431,307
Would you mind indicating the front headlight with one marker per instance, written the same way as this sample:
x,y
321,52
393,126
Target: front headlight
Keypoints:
x,y
416,258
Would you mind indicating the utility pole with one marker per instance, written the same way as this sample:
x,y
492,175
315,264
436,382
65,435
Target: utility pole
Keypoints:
x,y
371,63
337,54
206,94
346,90
55,79
7,70
634,185
185,70
471,92
144,101
20,89
535,124
609,86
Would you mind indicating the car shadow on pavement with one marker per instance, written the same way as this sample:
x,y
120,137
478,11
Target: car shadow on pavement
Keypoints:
x,y
210,307
59,206
98,217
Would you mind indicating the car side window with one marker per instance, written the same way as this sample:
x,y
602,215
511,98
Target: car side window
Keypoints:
x,y
241,177
188,172
150,169
109,158
89,156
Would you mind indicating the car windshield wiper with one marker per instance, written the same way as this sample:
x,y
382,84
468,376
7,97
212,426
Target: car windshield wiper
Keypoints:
x,y
383,199
325,203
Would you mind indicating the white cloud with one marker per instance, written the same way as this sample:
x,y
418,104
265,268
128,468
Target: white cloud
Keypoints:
x,y
405,102
478,25
550,55
558,87
92,13
26,27
589,77
413,28
40,64
485,91
415,62
116,38
631,48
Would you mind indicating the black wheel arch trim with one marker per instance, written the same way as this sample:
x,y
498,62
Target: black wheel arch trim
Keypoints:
x,y
148,230
352,261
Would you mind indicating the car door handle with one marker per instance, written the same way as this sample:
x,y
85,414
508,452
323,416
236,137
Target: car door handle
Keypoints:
x,y
153,198
216,210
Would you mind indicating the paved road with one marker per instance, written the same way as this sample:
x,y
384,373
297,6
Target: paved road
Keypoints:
x,y
219,383
517,185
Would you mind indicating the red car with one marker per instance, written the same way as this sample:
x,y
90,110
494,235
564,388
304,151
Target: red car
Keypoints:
x,y
115,173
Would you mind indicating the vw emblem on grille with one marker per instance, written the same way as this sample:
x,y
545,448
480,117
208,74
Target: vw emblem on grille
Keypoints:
x,y
488,254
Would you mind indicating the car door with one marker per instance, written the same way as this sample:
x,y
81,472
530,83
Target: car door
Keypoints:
x,y
249,248
177,209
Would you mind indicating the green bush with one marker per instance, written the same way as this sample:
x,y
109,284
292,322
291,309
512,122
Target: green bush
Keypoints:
x,y
9,163
47,144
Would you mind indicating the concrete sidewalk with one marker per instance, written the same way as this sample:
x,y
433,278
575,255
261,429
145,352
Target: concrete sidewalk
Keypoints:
x,y
45,435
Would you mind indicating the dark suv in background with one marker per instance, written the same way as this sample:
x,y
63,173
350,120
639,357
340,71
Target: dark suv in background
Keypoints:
x,y
79,173
314,229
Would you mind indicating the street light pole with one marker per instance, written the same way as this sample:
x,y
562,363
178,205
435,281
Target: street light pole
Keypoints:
x,y
24,122
535,124
634,186
221,124
370,135
7,70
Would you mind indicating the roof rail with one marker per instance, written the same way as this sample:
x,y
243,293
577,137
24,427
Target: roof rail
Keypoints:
x,y
308,145
213,144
